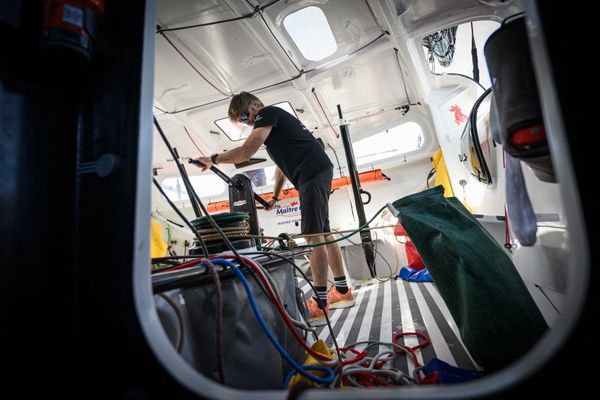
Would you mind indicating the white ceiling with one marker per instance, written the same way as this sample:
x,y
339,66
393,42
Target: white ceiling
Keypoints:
x,y
198,69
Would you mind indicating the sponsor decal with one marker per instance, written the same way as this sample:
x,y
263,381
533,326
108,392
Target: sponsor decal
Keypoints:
x,y
287,211
257,118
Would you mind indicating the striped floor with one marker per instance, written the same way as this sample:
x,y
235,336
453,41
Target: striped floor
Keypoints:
x,y
384,309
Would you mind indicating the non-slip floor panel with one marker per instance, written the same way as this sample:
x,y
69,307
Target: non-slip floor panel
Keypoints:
x,y
383,309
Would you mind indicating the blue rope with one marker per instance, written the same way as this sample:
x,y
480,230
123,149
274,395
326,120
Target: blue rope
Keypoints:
x,y
301,370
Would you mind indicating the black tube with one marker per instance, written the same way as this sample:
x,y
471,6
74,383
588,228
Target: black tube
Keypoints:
x,y
188,186
182,172
365,235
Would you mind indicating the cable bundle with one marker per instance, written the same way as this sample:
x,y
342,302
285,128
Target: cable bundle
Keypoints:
x,y
235,226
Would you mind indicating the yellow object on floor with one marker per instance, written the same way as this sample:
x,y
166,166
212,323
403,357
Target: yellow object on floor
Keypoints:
x,y
321,348
158,247
441,173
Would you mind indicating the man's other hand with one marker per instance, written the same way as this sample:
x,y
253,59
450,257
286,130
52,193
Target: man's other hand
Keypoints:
x,y
271,204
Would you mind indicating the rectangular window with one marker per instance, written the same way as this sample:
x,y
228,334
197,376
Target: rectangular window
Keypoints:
x,y
236,131
310,31
392,142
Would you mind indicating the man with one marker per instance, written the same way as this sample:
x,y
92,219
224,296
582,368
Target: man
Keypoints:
x,y
301,159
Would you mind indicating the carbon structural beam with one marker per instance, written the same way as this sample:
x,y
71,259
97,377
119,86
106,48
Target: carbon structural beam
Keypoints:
x,y
365,235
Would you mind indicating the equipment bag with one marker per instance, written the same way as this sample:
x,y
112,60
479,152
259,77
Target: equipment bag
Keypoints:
x,y
497,318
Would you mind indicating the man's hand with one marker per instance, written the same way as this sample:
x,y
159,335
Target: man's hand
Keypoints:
x,y
272,202
203,162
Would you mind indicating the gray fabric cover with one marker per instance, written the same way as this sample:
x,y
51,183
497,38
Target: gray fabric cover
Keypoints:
x,y
251,360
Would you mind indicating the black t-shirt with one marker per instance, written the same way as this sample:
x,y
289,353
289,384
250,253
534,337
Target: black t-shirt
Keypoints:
x,y
291,145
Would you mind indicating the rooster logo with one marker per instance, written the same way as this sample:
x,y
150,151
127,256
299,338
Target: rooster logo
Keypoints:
x,y
459,117
294,203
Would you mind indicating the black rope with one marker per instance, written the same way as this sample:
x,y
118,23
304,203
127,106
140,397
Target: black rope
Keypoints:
x,y
374,17
302,73
262,17
250,15
205,24
192,65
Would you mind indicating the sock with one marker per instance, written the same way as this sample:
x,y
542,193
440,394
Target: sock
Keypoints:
x,y
341,285
321,294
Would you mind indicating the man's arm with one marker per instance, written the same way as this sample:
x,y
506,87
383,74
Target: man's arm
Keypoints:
x,y
279,181
242,153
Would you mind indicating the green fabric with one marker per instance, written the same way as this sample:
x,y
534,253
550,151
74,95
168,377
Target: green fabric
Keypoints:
x,y
497,318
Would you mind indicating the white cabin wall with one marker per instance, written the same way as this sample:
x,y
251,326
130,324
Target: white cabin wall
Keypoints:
x,y
538,265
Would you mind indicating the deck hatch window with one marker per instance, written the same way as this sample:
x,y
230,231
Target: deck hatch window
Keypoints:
x,y
236,131
392,142
311,32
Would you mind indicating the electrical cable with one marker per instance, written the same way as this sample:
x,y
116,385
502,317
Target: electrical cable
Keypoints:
x,y
303,370
297,324
475,138
293,264
174,306
324,359
218,318
344,237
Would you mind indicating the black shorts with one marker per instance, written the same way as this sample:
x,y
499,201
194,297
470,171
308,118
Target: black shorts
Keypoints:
x,y
314,202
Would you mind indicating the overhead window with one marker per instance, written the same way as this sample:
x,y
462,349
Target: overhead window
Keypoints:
x,y
236,131
310,31
393,142
204,185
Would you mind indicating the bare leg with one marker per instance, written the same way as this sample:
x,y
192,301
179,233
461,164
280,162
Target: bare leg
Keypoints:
x,y
334,257
318,261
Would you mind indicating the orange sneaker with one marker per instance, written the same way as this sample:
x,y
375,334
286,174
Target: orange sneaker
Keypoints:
x,y
337,300
317,315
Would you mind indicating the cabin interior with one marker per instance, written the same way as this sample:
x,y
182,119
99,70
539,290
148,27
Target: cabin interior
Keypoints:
x,y
455,230
406,76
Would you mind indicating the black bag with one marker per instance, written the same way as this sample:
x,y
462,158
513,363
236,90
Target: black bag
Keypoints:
x,y
515,107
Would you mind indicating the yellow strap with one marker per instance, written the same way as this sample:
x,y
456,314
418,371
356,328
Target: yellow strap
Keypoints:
x,y
441,173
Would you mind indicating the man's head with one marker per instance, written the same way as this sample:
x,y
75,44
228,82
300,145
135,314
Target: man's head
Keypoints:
x,y
243,108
